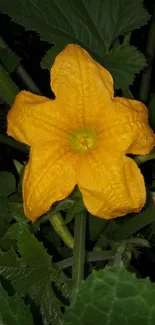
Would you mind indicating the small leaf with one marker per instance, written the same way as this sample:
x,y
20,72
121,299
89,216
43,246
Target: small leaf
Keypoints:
x,y
113,296
72,212
13,311
7,184
17,212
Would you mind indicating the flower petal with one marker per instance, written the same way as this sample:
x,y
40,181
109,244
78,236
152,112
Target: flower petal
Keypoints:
x,y
84,88
128,129
111,185
34,118
49,176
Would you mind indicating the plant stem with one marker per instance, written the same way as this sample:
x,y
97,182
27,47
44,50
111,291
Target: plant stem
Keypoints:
x,y
79,252
21,72
8,88
142,159
89,257
27,80
150,49
13,143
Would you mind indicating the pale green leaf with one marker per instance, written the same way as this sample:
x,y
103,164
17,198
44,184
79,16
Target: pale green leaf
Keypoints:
x,y
93,25
7,184
13,311
113,296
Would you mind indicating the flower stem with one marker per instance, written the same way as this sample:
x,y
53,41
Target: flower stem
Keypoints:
x,y
61,229
127,38
79,253
150,49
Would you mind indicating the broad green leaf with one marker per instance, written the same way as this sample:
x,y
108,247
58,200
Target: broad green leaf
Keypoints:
x,y
9,59
129,62
123,61
33,274
113,296
151,111
48,60
93,26
7,184
135,223
13,311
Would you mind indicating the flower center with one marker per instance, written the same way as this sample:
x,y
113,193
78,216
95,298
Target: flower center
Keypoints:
x,y
83,140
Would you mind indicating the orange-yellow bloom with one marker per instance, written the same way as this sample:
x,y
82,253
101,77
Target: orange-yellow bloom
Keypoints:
x,y
81,138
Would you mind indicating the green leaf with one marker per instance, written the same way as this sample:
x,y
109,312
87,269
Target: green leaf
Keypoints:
x,y
94,27
151,111
135,223
13,311
113,296
5,215
33,274
17,212
129,62
7,184
123,61
78,21
48,60
9,59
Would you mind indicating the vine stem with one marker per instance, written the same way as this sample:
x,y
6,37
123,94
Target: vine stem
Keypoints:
x,y
142,159
13,143
78,253
22,73
89,257
150,49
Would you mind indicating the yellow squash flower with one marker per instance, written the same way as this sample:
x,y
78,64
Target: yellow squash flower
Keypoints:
x,y
81,138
